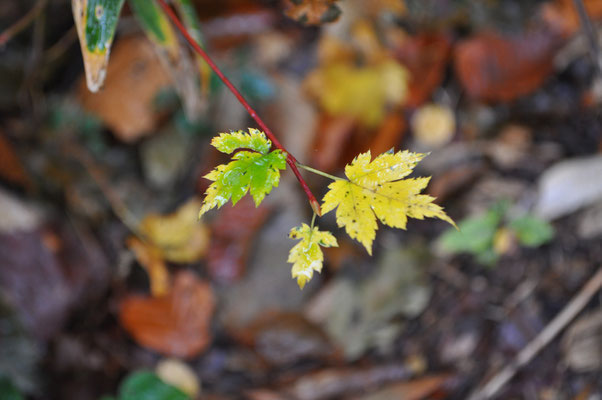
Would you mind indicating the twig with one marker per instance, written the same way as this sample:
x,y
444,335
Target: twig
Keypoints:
x,y
22,23
590,33
580,300
199,50
117,205
61,46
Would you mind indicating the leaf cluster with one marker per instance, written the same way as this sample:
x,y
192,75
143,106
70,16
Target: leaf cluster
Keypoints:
x,y
375,190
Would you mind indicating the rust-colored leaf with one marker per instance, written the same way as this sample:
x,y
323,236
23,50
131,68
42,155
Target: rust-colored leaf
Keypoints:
x,y
562,16
388,135
11,168
312,12
425,56
134,77
176,324
334,135
497,68
232,236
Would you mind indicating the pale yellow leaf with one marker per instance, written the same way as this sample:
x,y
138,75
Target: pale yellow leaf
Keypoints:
x,y
306,256
179,236
376,189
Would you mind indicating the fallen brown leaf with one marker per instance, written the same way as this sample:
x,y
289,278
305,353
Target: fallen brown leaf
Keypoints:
x,y
388,135
176,324
425,56
11,168
562,15
134,77
334,134
497,68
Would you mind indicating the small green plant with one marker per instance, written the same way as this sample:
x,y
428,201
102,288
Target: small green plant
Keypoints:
x,y
374,189
490,235
145,385
8,391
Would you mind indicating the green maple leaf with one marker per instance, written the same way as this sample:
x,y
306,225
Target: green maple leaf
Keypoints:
x,y
254,169
306,256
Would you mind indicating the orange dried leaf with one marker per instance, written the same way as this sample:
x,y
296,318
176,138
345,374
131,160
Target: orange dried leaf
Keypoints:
x,y
176,324
134,78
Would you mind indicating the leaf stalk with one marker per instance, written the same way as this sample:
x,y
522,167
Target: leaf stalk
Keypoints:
x,y
318,172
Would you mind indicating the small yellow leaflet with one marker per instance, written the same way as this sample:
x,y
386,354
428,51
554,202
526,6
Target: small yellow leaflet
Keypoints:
x,y
377,189
307,256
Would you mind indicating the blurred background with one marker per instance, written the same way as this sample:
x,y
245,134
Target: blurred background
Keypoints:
x,y
110,286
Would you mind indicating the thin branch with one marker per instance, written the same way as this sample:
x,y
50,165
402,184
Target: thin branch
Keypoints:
x,y
22,23
117,205
580,300
590,33
199,50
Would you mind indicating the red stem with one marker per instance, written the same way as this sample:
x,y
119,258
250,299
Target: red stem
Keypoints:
x,y
289,159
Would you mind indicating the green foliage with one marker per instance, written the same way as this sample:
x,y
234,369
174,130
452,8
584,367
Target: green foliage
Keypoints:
x,y
532,231
254,170
101,20
153,20
8,391
474,235
477,235
145,385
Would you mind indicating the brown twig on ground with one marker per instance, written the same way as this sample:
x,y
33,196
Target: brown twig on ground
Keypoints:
x,y
117,205
22,23
570,311
61,46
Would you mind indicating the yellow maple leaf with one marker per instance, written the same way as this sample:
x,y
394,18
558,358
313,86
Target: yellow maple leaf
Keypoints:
x,y
359,92
306,256
179,236
377,189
